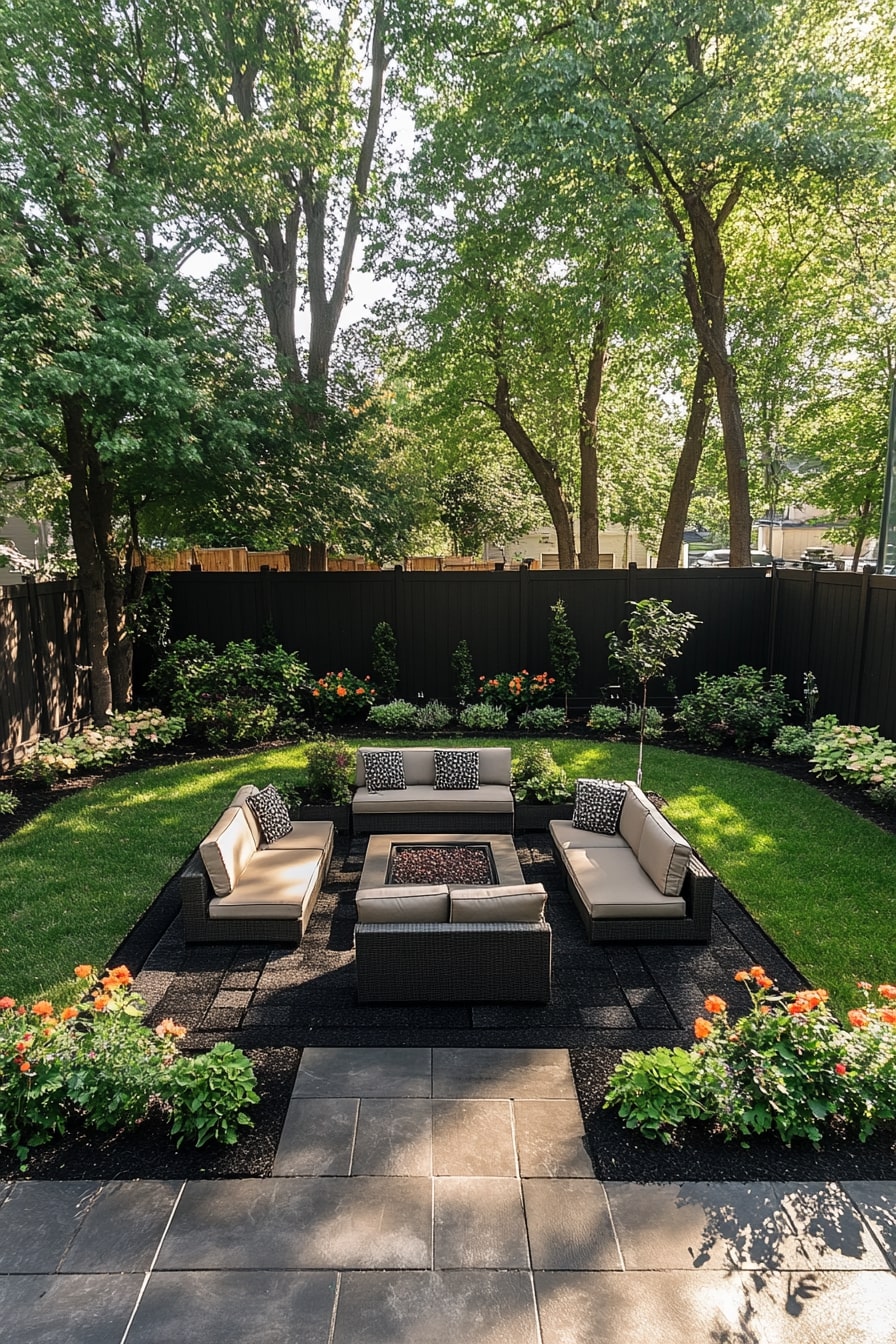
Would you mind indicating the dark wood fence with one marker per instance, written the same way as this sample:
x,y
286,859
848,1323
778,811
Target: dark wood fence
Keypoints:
x,y
43,673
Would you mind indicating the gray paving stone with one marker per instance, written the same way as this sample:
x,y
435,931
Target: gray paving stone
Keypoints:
x,y
394,1137
502,1073
261,1306
66,1308
876,1201
569,1225
302,1222
472,1138
232,998
317,1138
463,1306
122,1229
832,1233
38,1220
680,1307
550,1139
359,1072
478,1223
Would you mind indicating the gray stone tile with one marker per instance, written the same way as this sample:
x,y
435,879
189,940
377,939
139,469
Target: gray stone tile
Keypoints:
x,y
502,1073
832,1233
66,1308
359,1072
472,1138
569,1225
550,1139
317,1138
466,1306
302,1222
876,1201
38,1220
261,1306
394,1137
478,1223
122,1229
232,998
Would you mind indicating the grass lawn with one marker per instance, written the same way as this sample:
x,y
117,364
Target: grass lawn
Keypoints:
x,y
820,880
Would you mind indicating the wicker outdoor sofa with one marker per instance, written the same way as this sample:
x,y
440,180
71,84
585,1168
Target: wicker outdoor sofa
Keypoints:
x,y
420,806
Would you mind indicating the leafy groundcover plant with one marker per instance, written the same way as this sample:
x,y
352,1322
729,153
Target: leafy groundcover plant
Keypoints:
x,y
97,1063
786,1067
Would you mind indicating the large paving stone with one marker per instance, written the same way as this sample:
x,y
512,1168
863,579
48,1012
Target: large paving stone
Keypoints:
x,y
478,1223
38,1221
472,1138
832,1232
318,1137
488,1072
309,1222
876,1201
550,1139
122,1229
261,1306
569,1225
66,1308
394,1137
466,1306
360,1072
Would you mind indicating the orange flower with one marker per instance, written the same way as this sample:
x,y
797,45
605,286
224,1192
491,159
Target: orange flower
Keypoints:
x,y
741,975
858,1018
798,1006
119,976
315,692
7,1003
764,1009
888,1015
840,1068
714,1004
43,1008
168,1027
101,1002
24,1067
702,1028
887,991
84,972
68,1013
757,972
340,690
764,982
360,690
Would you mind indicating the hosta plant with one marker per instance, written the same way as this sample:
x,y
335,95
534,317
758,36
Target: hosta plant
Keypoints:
x,y
857,754
605,719
537,778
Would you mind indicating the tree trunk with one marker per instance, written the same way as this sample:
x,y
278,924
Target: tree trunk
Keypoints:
x,y
101,494
589,525
544,472
299,559
686,471
91,575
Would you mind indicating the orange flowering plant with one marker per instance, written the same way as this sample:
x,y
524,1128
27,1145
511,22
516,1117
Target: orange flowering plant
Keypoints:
x,y
787,1067
98,1063
517,691
342,695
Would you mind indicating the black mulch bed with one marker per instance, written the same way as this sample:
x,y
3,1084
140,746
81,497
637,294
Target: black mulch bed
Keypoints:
x,y
272,1001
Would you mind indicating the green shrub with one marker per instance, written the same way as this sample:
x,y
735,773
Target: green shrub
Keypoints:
x,y
489,718
330,771
740,709
656,1090
546,719
234,722
8,803
393,717
564,650
208,1094
536,776
859,755
123,737
605,719
884,795
516,691
792,740
384,660
654,723
462,671
433,716
342,695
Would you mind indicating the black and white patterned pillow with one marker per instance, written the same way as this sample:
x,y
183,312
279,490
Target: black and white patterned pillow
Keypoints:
x,y
383,770
272,814
455,769
598,805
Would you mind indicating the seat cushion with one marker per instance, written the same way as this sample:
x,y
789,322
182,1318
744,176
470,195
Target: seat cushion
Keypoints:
x,y
598,805
424,798
567,836
663,854
273,885
383,770
227,849
455,769
513,904
402,905
635,811
612,885
306,835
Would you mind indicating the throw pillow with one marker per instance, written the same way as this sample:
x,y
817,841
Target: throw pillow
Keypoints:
x,y
455,769
383,770
598,805
272,814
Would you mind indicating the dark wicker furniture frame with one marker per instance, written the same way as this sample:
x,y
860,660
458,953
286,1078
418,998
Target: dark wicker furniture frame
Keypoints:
x,y
441,963
196,892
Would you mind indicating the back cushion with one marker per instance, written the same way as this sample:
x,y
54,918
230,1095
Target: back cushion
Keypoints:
x,y
664,855
494,765
635,811
226,850
402,905
498,905
241,799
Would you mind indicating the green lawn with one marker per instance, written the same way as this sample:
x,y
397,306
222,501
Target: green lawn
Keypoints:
x,y
820,880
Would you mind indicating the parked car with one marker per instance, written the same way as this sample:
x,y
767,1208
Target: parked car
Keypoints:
x,y
819,557
722,560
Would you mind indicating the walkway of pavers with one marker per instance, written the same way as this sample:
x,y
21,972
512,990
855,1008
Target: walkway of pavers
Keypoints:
x,y
427,1196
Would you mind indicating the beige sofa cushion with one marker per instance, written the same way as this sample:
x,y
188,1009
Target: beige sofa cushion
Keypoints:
x,y
663,854
424,798
402,905
241,799
519,904
227,849
494,766
612,885
567,836
635,811
306,835
273,885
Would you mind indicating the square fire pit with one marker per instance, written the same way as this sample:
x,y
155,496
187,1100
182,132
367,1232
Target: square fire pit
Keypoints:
x,y
436,860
